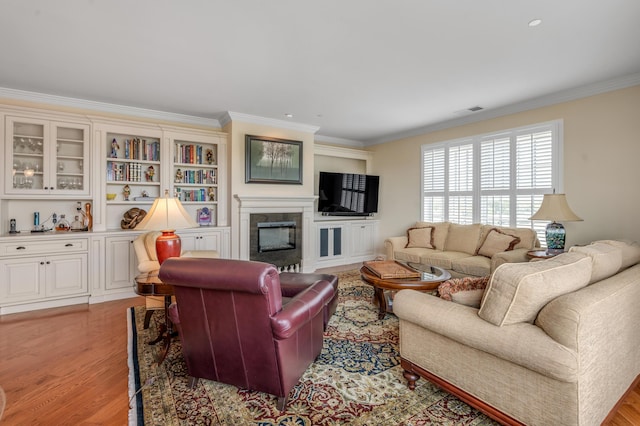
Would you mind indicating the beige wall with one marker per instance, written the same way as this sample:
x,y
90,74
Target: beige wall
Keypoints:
x,y
601,165
237,186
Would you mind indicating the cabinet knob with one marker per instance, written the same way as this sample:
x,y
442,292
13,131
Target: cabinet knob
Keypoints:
x,y
42,263
48,263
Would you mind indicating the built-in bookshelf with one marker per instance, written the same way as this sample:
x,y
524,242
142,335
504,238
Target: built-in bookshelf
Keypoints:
x,y
195,177
133,168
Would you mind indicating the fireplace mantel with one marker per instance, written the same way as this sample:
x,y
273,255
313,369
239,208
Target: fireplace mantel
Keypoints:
x,y
249,204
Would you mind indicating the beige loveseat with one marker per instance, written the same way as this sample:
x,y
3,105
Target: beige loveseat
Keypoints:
x,y
555,342
464,250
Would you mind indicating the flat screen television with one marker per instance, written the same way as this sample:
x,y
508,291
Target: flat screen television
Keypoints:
x,y
347,194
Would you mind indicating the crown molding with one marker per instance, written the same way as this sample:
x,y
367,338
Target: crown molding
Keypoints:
x,y
339,141
539,102
230,116
104,107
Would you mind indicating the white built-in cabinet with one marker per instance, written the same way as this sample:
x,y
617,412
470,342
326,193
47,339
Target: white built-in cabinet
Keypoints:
x,y
120,261
341,242
216,238
55,162
41,273
46,157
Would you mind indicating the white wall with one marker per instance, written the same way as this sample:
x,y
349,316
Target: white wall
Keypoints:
x,y
601,165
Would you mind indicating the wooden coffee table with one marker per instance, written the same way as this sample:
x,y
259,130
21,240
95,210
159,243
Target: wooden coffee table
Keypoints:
x,y
430,278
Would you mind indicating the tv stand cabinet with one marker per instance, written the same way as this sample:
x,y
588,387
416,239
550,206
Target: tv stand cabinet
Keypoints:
x,y
343,241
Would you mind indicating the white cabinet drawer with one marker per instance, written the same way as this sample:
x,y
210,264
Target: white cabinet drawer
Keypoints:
x,y
21,248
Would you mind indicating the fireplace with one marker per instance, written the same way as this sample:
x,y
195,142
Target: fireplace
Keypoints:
x,y
254,209
273,238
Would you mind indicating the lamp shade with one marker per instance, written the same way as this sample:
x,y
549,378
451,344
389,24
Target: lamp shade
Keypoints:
x,y
167,215
555,208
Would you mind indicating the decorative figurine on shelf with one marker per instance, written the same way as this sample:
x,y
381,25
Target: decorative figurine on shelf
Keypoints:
x,y
179,176
204,216
149,173
114,148
209,156
76,225
144,194
211,193
126,191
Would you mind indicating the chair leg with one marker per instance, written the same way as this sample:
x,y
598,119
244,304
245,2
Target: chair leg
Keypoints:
x,y
147,318
282,402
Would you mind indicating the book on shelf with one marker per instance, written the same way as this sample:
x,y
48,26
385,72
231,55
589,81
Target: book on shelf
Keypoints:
x,y
390,269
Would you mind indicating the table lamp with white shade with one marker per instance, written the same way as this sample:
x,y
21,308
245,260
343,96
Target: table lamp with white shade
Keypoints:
x,y
555,208
167,215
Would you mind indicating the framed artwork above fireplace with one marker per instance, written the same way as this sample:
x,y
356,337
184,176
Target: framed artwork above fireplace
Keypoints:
x,y
272,160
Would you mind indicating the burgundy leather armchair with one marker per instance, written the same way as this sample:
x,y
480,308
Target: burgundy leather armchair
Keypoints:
x,y
236,329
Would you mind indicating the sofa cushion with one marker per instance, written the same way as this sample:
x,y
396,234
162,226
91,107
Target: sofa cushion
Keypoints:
x,y
420,237
496,241
414,254
468,297
606,259
439,235
477,266
463,238
441,259
630,251
517,291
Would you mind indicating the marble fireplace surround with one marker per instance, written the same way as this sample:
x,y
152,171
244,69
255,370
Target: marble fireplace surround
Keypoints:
x,y
249,204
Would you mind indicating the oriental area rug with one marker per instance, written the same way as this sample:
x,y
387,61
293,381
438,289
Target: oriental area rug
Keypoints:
x,y
356,380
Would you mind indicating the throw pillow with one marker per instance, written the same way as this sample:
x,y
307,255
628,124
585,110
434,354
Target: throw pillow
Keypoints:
x,y
517,291
440,230
420,237
497,241
452,290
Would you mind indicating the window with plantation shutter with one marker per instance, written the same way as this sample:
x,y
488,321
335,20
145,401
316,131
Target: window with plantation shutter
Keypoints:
x,y
497,179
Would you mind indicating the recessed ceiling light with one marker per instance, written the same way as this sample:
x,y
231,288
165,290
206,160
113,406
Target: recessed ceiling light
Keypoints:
x,y
535,22
288,115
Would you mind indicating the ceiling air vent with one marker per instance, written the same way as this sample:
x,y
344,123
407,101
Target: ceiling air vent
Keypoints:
x,y
476,109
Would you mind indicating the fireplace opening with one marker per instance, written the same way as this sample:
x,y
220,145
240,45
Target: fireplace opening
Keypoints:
x,y
275,236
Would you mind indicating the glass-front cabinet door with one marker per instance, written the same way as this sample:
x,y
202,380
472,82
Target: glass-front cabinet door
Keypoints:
x,y
46,157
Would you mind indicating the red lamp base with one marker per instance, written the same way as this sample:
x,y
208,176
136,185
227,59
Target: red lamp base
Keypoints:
x,y
168,245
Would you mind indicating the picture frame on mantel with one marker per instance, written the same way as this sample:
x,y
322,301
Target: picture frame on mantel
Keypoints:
x,y
273,160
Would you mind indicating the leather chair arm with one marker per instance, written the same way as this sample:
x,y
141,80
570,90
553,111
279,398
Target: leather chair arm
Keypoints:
x,y
292,283
301,309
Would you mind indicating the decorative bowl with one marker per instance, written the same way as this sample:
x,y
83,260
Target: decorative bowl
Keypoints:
x,y
111,197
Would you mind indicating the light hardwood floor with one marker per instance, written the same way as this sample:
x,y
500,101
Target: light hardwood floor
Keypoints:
x,y
68,366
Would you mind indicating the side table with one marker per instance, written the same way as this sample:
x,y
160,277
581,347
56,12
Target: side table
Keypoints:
x,y
149,284
541,254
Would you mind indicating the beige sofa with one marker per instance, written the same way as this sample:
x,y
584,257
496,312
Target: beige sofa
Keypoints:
x,y
464,250
555,342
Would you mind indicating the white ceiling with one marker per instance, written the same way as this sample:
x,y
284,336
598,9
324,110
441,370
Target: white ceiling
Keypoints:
x,y
360,70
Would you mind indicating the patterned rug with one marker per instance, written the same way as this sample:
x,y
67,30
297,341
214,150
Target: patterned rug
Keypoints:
x,y
356,380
